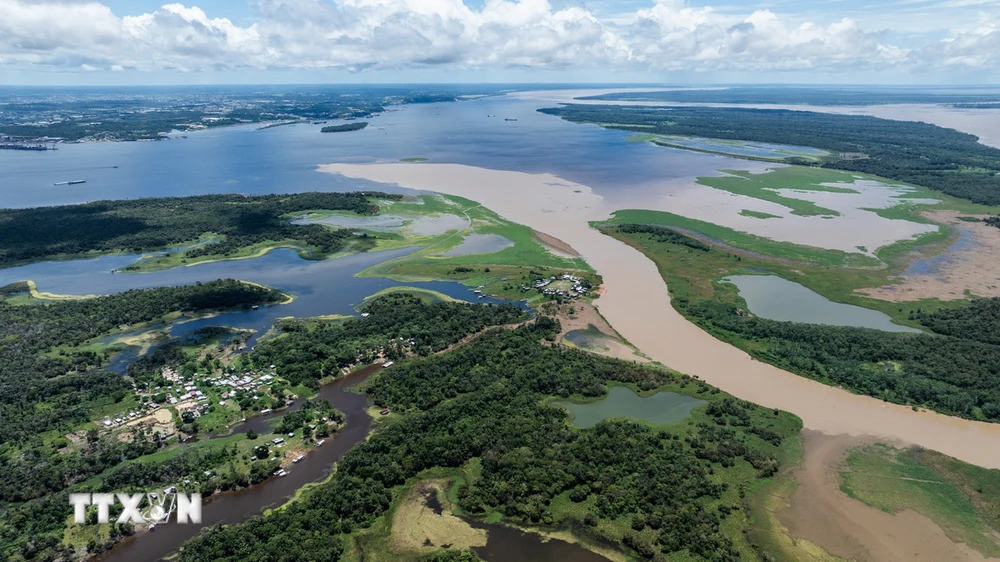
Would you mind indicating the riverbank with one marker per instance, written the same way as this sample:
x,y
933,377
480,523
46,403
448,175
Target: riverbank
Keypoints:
x,y
637,305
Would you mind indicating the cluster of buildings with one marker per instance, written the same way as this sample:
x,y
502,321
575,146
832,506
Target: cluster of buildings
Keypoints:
x,y
579,287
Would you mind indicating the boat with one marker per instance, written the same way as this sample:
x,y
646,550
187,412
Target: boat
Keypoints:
x,y
509,119
320,442
71,182
298,458
152,526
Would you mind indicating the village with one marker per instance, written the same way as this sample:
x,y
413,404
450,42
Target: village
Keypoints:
x,y
564,287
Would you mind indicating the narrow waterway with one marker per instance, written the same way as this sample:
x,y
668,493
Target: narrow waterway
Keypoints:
x,y
236,506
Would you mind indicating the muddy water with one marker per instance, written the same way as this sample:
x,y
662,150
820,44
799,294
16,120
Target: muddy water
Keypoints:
x,y
233,507
637,305
820,513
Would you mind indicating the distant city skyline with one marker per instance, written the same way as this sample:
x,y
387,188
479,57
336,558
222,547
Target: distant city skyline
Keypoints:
x,y
68,42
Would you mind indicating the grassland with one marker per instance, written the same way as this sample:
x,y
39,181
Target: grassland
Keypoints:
x,y
964,500
500,273
743,242
758,214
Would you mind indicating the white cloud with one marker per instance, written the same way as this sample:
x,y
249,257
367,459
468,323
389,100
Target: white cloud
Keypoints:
x,y
391,34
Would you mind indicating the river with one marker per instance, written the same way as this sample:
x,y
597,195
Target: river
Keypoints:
x,y
236,506
637,305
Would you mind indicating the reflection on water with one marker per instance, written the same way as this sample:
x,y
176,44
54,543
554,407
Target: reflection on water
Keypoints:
x,y
745,148
479,244
621,402
243,159
507,544
772,297
320,287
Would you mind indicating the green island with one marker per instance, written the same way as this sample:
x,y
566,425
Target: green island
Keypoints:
x,y
190,229
346,127
908,151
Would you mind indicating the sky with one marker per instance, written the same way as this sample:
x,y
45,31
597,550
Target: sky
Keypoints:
x,y
82,42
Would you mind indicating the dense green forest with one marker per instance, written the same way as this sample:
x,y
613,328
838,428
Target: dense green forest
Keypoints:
x,y
664,234
309,350
345,127
43,391
141,225
825,95
959,376
485,400
47,385
919,153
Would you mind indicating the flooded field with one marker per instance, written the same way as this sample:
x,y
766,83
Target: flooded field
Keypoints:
x,y
772,297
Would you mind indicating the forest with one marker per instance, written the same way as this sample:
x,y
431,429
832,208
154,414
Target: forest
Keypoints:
x,y
946,160
309,350
42,390
954,370
47,385
486,400
664,234
345,127
142,225
804,95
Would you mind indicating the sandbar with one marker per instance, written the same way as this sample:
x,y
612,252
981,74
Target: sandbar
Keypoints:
x,y
637,305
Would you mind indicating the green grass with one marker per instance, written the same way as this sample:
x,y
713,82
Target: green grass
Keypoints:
x,y
749,242
893,480
758,214
764,186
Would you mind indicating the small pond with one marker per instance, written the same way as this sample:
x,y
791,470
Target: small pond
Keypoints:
x,y
621,402
479,244
429,225
775,298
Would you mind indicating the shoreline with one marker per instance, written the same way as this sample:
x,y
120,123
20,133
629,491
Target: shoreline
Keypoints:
x,y
637,306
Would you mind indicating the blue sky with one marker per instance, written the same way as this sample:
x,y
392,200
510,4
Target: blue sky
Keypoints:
x,y
648,41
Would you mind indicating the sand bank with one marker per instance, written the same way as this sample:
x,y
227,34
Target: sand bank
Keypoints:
x,y
970,266
636,304
822,514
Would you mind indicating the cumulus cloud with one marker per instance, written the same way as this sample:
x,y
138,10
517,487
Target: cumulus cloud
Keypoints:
x,y
390,34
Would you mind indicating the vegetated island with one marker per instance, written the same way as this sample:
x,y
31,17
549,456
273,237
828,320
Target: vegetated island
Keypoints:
x,y
345,127
225,225
942,159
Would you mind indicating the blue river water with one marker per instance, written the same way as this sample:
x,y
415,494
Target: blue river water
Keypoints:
x,y
283,159
320,287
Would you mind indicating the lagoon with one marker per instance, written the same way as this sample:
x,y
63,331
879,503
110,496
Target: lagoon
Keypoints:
x,y
320,287
621,402
775,298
